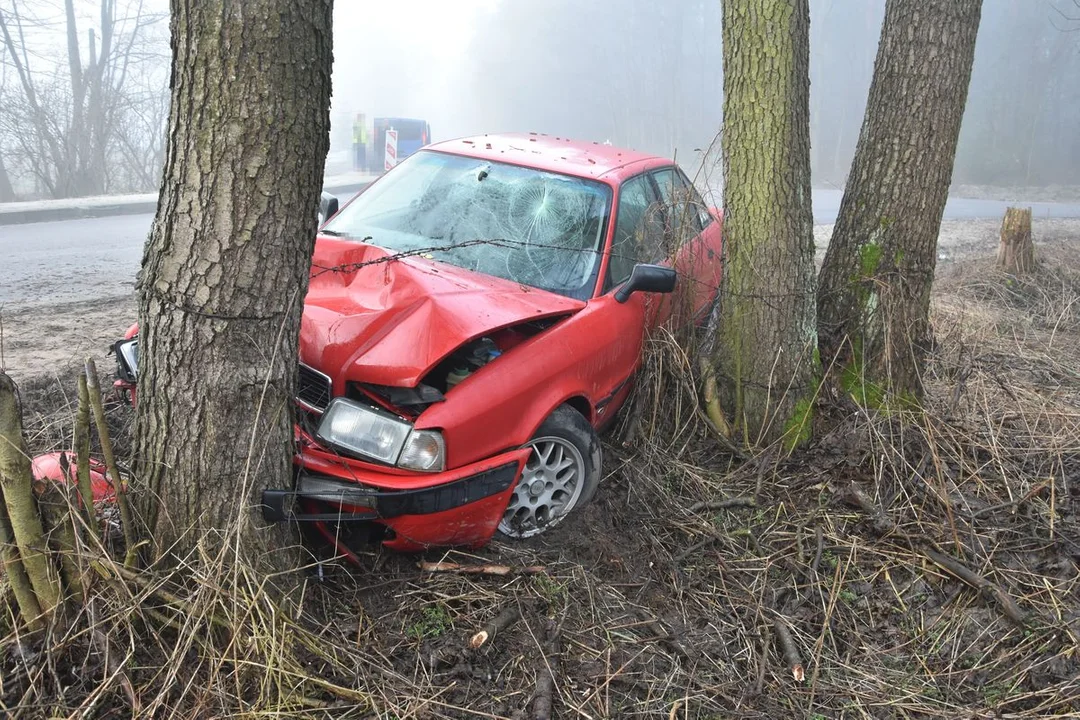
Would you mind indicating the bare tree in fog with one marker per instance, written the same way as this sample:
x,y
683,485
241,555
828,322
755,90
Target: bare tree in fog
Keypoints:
x,y
89,121
7,193
646,75
1020,126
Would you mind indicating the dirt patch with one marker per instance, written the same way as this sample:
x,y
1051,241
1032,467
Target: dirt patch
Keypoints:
x,y
40,340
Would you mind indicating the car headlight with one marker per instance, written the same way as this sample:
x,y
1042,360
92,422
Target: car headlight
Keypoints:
x,y
372,433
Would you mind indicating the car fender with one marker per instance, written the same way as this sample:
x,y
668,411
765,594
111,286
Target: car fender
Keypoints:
x,y
591,354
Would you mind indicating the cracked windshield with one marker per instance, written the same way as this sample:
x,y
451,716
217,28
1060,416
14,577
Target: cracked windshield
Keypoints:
x,y
521,224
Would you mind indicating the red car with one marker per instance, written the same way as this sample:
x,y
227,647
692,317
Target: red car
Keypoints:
x,y
475,317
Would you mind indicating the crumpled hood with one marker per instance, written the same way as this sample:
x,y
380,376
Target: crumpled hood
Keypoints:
x,y
391,322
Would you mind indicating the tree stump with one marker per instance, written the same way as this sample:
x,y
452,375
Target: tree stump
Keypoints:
x,y
1016,253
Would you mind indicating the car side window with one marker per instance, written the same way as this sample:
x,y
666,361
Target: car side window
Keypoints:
x,y
682,222
704,216
639,230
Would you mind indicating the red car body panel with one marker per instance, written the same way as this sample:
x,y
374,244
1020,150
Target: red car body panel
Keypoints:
x,y
471,525
49,467
555,154
390,323
373,318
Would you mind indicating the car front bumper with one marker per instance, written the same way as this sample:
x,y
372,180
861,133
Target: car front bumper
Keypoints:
x,y
460,507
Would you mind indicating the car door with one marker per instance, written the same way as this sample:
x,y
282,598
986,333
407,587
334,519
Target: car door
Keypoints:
x,y
692,239
638,238
618,329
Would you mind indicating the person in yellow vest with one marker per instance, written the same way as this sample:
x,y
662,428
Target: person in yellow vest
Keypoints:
x,y
359,138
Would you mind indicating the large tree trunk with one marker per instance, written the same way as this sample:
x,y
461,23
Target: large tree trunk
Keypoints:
x,y
1016,253
766,330
226,266
874,297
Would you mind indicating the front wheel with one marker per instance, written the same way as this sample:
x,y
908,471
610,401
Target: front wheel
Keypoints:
x,y
560,476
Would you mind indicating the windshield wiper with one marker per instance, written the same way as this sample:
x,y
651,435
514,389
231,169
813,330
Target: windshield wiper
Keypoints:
x,y
334,233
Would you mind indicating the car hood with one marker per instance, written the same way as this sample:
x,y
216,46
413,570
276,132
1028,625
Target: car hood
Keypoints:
x,y
371,318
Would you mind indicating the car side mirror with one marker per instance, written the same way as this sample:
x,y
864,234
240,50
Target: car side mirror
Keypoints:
x,y
647,278
328,207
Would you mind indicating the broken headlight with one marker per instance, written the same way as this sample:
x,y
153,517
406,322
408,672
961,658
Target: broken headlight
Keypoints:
x,y
368,432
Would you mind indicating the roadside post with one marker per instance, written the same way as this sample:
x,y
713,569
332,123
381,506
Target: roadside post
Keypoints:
x,y
391,149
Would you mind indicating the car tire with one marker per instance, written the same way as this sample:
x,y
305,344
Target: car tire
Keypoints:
x,y
560,476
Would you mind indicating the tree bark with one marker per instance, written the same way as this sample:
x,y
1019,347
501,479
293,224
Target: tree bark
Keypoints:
x,y
874,298
1016,253
226,267
21,588
765,336
16,491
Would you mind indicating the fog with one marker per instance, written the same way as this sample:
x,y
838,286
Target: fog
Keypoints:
x,y
638,73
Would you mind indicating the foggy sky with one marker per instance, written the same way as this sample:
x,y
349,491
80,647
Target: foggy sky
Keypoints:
x,y
647,75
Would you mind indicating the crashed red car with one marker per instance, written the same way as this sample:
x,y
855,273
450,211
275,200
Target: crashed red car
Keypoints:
x,y
474,318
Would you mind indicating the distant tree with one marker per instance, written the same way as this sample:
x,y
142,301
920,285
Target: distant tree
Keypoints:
x,y
874,296
1020,121
765,338
67,118
843,38
655,60
7,192
226,267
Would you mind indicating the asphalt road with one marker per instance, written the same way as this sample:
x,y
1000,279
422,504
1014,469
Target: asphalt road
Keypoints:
x,y
72,260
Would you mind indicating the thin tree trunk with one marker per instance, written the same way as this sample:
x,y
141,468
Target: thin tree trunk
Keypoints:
x,y
1016,253
16,483
226,267
873,305
7,192
15,572
766,330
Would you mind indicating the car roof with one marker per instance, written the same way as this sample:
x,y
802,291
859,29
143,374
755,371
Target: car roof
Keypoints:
x,y
554,154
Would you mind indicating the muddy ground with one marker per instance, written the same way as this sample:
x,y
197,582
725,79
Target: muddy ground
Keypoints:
x,y
912,567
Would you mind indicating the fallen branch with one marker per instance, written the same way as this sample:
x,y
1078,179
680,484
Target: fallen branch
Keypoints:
x,y
788,649
736,533
977,581
1011,503
724,504
96,405
883,526
501,621
501,570
545,679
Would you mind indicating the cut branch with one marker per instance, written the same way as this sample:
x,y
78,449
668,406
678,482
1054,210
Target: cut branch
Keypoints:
x,y
94,390
16,485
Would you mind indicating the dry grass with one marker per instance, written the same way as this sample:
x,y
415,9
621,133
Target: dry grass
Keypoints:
x,y
651,605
